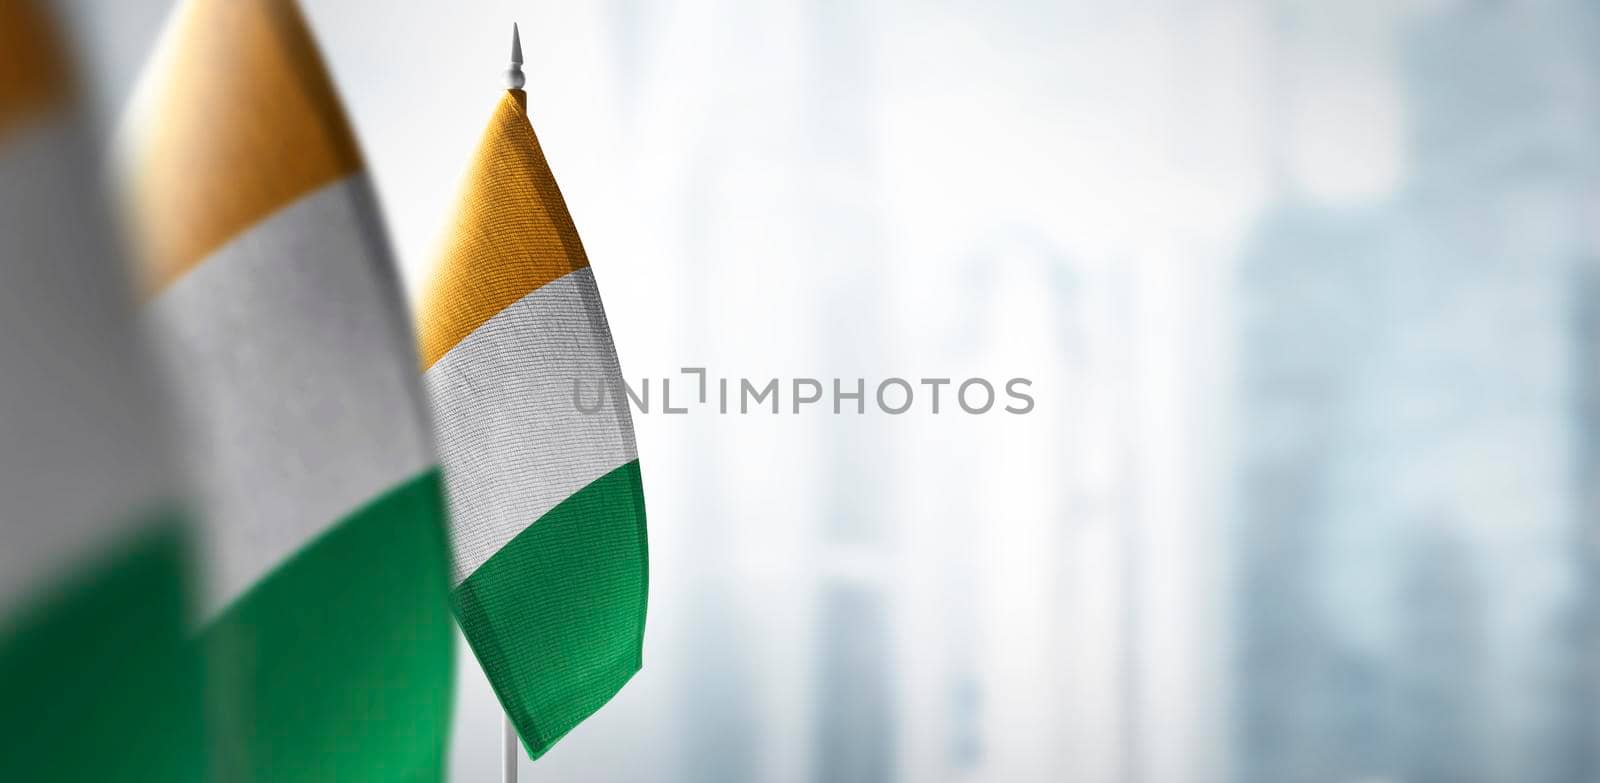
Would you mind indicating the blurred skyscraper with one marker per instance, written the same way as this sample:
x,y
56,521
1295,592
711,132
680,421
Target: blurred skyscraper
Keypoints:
x,y
1306,686
1414,568
855,720
1035,670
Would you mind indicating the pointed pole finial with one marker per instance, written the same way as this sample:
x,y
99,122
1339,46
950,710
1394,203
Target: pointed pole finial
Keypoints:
x,y
514,77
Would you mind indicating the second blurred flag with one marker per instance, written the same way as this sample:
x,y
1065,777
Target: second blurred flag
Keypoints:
x,y
279,315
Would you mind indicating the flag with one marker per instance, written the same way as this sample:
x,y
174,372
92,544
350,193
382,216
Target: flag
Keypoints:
x,y
98,680
275,305
547,525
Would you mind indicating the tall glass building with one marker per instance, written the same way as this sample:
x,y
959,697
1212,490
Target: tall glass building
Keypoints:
x,y
1414,567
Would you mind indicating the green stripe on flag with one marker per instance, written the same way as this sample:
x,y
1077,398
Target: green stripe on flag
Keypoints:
x,y
99,681
556,617
338,665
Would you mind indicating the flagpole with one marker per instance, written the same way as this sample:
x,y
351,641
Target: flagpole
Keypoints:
x,y
508,732
508,750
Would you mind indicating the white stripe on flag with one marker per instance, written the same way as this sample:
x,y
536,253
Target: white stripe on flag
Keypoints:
x,y
83,453
296,373
512,440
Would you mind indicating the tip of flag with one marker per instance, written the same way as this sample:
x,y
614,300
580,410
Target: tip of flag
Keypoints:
x,y
514,77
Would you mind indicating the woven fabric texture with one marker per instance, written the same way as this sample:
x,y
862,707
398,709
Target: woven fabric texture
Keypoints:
x,y
550,561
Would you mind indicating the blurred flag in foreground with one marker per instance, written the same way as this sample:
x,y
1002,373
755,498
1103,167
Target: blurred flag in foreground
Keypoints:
x,y
97,678
549,565
278,313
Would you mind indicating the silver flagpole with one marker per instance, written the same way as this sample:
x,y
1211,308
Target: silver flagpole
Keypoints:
x,y
508,750
508,733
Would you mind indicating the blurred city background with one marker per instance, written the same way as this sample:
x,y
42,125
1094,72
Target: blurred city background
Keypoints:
x,y
1309,293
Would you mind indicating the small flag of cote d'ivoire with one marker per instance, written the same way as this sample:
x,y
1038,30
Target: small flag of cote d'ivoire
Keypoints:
x,y
547,522
277,310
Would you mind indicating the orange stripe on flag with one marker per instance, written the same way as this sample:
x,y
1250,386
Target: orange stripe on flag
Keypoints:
x,y
246,121
34,76
512,235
